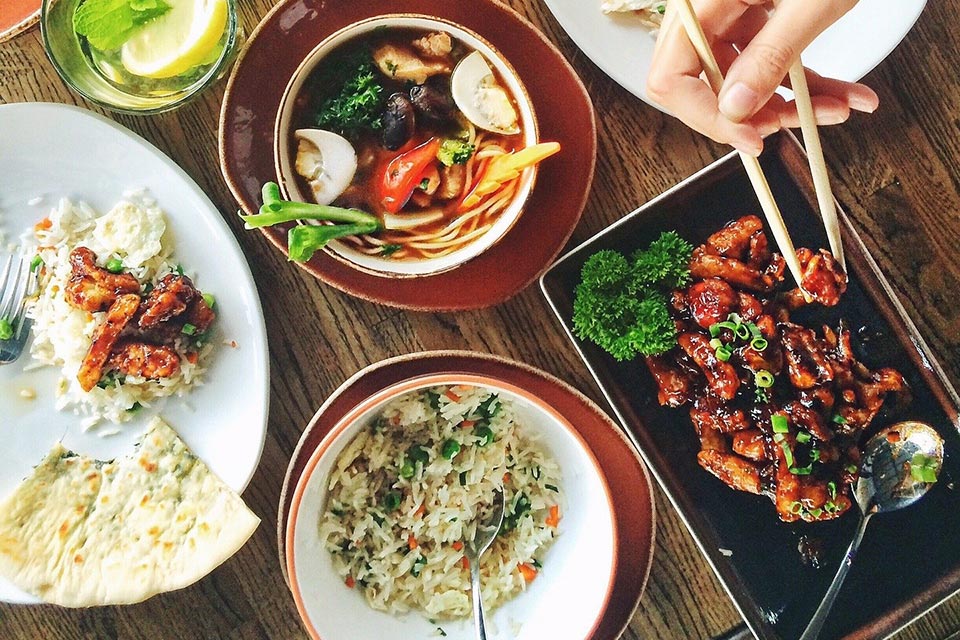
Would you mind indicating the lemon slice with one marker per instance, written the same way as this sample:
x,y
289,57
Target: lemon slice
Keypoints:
x,y
180,39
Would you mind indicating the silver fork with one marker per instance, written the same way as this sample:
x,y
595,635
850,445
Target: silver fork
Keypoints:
x,y
17,283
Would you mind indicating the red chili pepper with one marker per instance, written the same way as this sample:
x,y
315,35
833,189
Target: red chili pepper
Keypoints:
x,y
404,173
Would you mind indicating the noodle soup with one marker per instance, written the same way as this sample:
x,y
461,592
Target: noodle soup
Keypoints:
x,y
420,123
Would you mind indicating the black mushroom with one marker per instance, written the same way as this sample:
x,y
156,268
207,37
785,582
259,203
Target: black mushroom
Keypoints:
x,y
433,100
398,121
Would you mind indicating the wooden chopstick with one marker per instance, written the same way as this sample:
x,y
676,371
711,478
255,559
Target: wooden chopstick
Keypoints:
x,y
818,166
759,181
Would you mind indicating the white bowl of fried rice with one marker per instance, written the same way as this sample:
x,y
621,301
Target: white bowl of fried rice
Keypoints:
x,y
379,517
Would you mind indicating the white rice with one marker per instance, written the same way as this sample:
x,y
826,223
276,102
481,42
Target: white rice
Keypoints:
x,y
411,557
62,334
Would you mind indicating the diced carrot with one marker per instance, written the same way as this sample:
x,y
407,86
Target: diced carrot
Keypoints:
x,y
452,396
420,511
554,518
192,357
43,225
350,582
458,546
529,573
464,562
412,542
467,424
506,477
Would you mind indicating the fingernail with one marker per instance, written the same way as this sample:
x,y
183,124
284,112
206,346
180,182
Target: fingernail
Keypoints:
x,y
832,118
749,148
867,104
738,102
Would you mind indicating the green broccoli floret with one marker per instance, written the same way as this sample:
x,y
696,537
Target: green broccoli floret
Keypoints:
x,y
621,304
455,151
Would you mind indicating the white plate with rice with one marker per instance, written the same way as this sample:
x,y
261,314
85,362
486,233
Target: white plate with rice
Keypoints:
x,y
621,44
73,167
378,517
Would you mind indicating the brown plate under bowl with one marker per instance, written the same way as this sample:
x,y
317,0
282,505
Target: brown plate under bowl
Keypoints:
x,y
291,31
625,474
16,16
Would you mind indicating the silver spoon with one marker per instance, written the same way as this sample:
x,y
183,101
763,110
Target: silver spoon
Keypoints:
x,y
886,484
473,550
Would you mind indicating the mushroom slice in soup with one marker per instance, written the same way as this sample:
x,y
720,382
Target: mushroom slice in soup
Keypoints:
x,y
326,161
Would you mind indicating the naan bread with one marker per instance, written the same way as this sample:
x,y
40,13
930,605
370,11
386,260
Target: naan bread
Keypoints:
x,y
80,532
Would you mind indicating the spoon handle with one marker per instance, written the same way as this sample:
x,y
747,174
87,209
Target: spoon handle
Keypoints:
x,y
820,616
477,599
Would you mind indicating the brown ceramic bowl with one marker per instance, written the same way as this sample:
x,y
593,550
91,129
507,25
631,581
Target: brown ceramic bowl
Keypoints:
x,y
285,151
616,462
293,29
16,16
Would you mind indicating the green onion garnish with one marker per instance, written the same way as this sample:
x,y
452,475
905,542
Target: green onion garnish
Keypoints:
x,y
742,331
816,513
851,468
780,424
35,263
839,419
723,353
6,329
754,330
923,468
832,488
803,437
188,329
759,344
787,453
114,265
814,455
715,330
796,507
763,379
450,449
802,471
391,501
716,343
210,300
179,269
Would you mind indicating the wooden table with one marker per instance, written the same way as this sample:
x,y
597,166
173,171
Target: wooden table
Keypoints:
x,y
897,171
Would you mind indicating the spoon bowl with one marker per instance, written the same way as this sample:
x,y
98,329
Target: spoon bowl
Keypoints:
x,y
898,467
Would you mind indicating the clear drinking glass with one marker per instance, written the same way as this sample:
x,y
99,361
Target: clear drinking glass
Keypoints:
x,y
100,76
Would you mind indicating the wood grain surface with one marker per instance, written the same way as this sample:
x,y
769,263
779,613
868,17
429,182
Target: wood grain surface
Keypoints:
x,y
897,171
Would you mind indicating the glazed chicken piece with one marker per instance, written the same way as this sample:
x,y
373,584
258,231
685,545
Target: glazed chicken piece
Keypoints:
x,y
721,377
807,363
734,471
92,288
734,240
710,414
199,314
759,255
120,313
823,277
710,301
434,45
751,444
402,64
144,360
704,265
808,420
676,386
168,299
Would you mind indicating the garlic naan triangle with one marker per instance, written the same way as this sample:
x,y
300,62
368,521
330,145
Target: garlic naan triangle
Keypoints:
x,y
80,532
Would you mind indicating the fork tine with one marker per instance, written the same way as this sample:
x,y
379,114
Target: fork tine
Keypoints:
x,y
7,284
23,289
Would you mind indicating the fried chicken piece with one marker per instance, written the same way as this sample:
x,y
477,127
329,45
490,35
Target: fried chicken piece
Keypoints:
x,y
751,444
199,314
704,265
710,301
708,413
808,420
750,308
734,471
759,255
733,241
721,377
168,299
807,363
144,360
402,63
434,45
675,385
823,277
120,313
92,288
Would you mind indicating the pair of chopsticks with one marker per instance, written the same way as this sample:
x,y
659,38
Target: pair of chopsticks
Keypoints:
x,y
811,139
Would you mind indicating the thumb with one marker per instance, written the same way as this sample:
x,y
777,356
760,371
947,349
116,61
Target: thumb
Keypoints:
x,y
762,65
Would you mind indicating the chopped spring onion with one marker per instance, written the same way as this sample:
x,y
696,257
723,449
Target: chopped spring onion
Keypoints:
x,y
832,488
796,507
831,507
391,501
802,471
6,329
35,263
723,353
787,453
923,468
188,329
803,437
450,449
780,424
742,331
759,343
114,265
814,455
816,513
851,468
839,419
763,379
209,299
716,343
179,269
754,330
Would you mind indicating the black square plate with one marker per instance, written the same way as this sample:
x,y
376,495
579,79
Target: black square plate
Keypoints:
x,y
910,560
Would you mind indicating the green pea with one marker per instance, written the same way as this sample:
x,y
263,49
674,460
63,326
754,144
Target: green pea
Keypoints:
x,y
450,449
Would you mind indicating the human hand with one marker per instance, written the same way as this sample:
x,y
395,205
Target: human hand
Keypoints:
x,y
755,49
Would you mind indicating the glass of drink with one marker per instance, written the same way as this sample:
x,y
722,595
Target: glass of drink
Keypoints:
x,y
140,56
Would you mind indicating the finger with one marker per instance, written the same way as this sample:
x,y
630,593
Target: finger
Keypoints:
x,y
827,110
764,62
698,109
858,96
